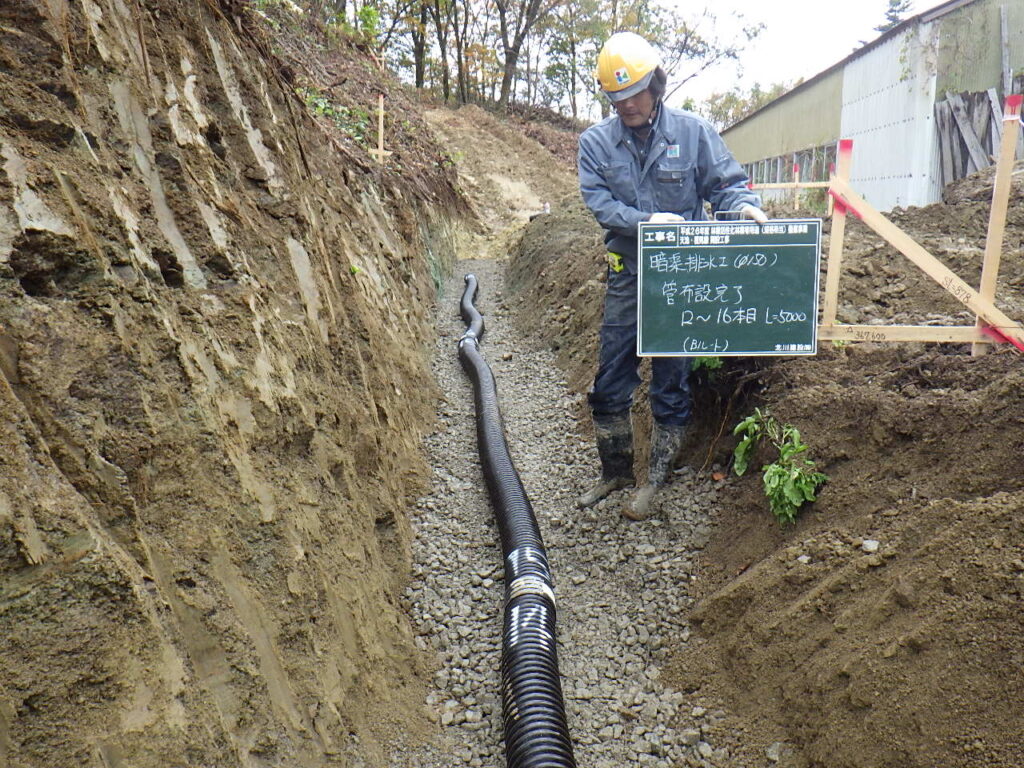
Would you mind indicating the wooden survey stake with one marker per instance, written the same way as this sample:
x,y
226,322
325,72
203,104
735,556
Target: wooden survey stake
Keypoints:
x,y
1000,201
931,266
992,325
380,153
835,246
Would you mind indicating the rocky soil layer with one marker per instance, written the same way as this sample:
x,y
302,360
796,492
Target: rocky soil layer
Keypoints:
x,y
213,310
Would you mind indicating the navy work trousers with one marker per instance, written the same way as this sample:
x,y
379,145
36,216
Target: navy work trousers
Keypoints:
x,y
617,369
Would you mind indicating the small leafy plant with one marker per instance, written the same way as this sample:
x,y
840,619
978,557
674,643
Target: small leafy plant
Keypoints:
x,y
790,480
355,121
707,363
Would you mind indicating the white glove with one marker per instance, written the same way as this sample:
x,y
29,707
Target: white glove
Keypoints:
x,y
666,218
748,211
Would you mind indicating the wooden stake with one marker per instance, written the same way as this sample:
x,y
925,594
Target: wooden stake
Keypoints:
x,y
380,153
963,334
931,266
835,248
997,213
943,118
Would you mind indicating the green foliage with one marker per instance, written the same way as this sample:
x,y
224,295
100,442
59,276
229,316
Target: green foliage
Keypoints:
x,y
707,363
728,108
895,14
353,121
450,159
790,480
815,201
364,26
369,20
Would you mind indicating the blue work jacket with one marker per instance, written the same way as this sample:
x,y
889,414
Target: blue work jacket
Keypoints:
x,y
687,164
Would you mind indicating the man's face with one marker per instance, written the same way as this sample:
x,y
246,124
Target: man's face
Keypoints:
x,y
636,110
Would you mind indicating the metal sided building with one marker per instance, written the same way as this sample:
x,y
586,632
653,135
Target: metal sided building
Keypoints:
x,y
922,103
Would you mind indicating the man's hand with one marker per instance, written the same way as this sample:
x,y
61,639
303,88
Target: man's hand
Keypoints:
x,y
668,218
748,211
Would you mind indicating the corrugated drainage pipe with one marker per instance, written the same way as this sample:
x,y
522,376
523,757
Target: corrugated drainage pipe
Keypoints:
x,y
536,733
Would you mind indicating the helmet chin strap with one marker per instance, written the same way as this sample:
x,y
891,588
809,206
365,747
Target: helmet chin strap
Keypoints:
x,y
654,113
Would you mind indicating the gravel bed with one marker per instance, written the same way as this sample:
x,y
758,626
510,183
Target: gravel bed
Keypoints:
x,y
622,587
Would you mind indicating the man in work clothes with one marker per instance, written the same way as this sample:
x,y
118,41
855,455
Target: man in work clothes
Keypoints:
x,y
648,162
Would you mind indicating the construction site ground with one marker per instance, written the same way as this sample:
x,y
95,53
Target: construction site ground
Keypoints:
x,y
242,521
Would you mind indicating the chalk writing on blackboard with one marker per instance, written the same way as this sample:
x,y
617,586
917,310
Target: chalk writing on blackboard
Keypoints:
x,y
729,288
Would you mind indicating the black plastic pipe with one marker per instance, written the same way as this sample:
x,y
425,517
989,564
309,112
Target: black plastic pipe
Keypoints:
x,y
536,733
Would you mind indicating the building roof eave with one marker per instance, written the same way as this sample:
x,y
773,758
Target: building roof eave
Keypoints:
x,y
921,18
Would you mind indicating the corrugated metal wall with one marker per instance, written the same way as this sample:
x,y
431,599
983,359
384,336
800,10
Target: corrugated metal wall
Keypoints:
x,y
888,95
883,98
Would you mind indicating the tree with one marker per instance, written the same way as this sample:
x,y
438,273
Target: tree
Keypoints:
x,y
442,13
515,20
688,50
894,15
575,31
419,31
534,51
728,108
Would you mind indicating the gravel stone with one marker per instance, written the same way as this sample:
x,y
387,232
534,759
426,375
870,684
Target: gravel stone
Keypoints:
x,y
689,737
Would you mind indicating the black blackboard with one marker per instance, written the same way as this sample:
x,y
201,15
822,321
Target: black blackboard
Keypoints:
x,y
718,288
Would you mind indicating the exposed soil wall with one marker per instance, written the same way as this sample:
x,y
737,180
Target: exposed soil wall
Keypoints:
x,y
212,326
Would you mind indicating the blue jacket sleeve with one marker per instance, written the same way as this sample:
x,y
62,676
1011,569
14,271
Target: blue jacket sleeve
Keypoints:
x,y
609,212
723,182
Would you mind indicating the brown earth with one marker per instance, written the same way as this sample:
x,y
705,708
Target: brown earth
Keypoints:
x,y
213,315
909,656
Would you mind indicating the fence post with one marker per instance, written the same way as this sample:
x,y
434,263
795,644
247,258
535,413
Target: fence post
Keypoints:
x,y
835,247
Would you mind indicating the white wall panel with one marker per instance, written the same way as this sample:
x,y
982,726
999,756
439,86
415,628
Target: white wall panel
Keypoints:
x,y
888,95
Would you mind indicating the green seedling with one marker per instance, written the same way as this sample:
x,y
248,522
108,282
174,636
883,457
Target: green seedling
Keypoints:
x,y
790,480
707,363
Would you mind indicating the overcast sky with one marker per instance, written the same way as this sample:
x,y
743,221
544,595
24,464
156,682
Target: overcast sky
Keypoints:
x,y
800,39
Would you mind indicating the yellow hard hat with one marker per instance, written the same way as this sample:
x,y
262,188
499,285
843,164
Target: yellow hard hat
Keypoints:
x,y
626,65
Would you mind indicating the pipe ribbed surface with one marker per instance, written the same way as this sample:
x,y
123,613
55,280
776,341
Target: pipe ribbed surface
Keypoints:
x,y
536,734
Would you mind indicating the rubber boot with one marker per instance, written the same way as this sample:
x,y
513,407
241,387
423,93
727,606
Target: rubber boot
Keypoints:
x,y
665,444
615,448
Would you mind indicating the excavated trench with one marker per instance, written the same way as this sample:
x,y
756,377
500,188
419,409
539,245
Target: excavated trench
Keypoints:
x,y
622,587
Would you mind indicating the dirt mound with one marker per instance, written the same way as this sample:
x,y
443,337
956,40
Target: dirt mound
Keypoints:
x,y
906,654
879,284
501,170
